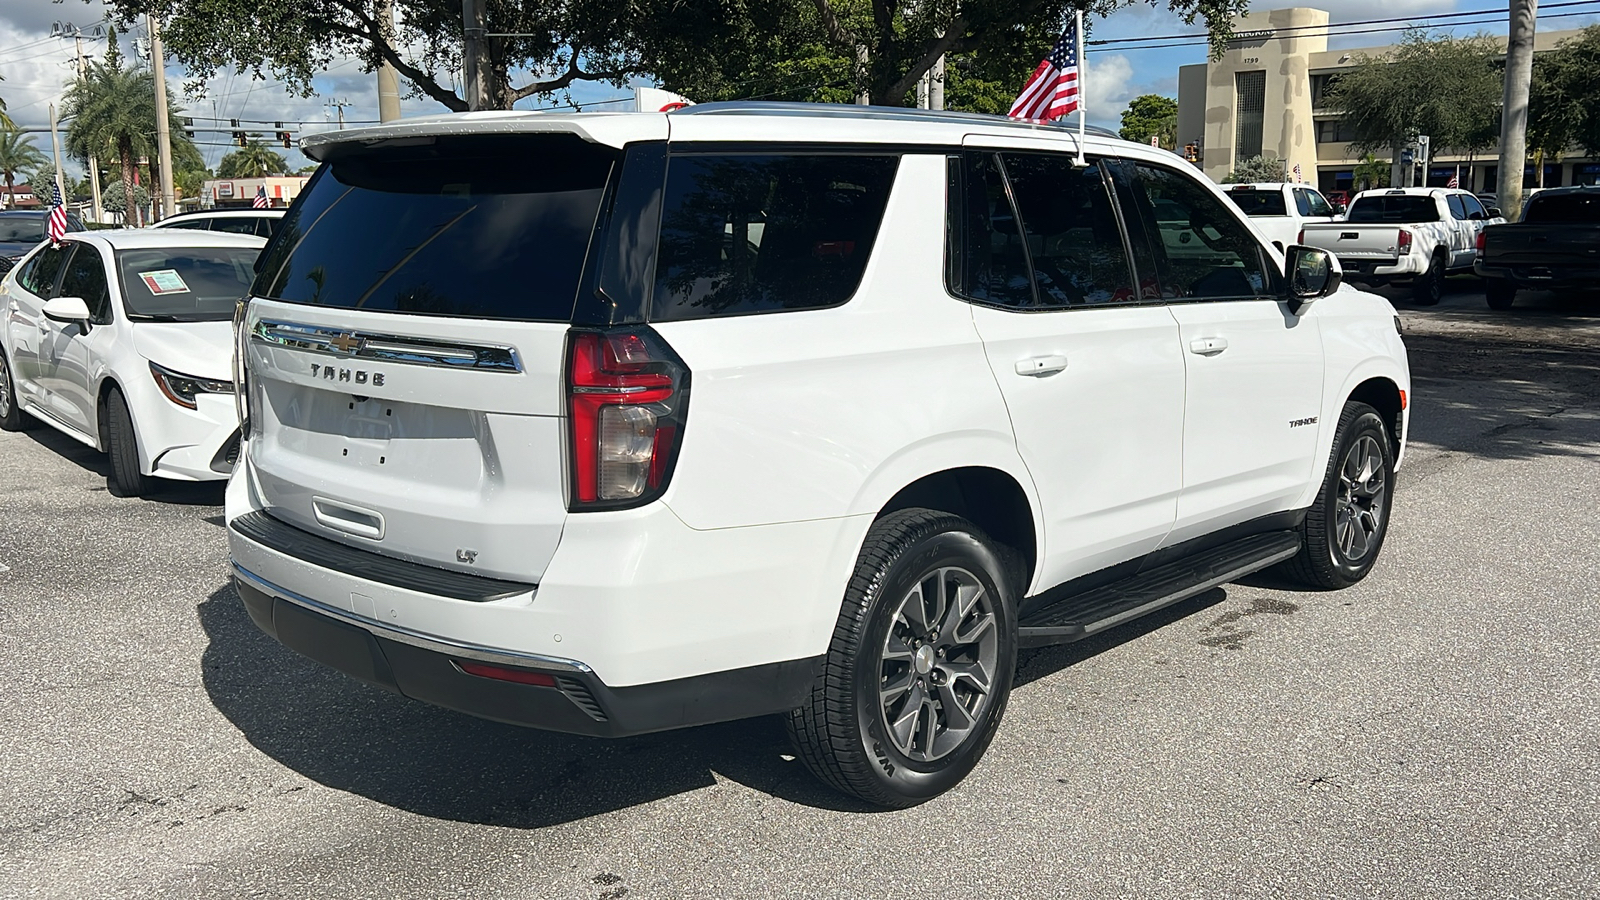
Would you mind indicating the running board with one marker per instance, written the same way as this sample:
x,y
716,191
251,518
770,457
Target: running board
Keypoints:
x,y
1078,616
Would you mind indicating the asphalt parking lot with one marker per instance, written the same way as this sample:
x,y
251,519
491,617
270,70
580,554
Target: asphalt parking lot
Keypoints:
x,y
1432,732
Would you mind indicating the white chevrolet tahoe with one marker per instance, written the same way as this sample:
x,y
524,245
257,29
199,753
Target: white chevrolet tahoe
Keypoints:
x,y
1415,235
614,423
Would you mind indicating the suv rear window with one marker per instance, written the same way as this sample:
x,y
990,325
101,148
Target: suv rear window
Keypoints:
x,y
1396,208
745,234
493,227
1259,203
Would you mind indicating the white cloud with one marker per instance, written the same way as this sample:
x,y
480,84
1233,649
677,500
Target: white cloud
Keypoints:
x,y
1108,88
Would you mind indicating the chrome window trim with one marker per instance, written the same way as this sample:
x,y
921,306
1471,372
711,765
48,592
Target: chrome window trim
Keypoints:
x,y
348,344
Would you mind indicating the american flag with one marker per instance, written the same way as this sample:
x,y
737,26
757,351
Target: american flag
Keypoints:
x,y
261,201
57,223
1454,182
1052,91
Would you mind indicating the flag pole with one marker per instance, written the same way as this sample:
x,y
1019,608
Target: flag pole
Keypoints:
x,y
1083,84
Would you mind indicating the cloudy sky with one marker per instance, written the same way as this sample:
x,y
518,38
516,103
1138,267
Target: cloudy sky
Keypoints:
x,y
36,67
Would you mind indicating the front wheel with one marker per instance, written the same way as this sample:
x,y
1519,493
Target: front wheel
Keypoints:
x,y
1428,288
1345,527
920,668
12,417
1500,293
125,480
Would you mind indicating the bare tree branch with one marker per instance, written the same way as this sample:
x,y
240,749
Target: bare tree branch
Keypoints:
x,y
573,73
835,28
956,30
371,34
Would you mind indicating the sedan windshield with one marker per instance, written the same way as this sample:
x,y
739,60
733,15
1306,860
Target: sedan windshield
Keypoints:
x,y
21,229
185,284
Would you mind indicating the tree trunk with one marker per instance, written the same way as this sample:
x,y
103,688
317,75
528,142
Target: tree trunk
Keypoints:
x,y
11,195
130,212
1514,120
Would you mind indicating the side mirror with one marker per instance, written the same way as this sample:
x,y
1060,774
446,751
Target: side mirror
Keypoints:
x,y
1313,273
67,310
1495,213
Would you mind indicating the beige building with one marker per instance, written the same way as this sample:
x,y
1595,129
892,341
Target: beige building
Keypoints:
x,y
241,192
1264,96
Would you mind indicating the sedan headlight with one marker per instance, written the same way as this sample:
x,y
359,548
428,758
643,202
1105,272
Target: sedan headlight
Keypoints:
x,y
182,389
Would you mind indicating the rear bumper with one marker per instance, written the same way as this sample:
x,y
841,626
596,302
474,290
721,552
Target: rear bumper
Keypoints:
x,y
1358,269
429,669
1540,277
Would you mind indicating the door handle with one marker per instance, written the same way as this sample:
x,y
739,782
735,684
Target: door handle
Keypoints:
x,y
1208,346
1040,366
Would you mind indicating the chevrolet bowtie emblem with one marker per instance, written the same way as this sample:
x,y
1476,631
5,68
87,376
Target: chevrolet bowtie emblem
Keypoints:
x,y
346,343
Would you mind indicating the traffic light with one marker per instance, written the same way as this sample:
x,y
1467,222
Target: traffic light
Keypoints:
x,y
188,127
288,142
241,139
1191,153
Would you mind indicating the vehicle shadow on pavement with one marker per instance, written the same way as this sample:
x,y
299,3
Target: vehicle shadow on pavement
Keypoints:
x,y
1033,665
175,493
356,738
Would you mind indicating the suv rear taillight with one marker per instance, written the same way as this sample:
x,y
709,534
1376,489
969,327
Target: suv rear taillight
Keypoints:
x,y
241,386
627,394
1301,237
1481,239
1405,242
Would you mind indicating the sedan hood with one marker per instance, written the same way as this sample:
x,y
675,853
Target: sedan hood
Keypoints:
x,y
16,248
202,349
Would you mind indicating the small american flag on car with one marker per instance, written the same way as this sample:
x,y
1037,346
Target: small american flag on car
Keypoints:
x,y
1052,90
56,226
1454,182
261,201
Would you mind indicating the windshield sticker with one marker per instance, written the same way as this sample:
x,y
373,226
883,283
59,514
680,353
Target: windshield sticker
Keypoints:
x,y
164,281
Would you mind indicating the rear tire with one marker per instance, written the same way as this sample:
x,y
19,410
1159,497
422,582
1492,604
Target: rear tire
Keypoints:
x,y
1499,292
1427,289
1344,529
12,418
917,676
122,446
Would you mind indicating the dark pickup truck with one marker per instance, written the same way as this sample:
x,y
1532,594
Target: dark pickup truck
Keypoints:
x,y
1555,246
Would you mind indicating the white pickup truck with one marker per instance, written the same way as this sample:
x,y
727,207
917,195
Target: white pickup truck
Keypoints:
x,y
1280,210
1406,234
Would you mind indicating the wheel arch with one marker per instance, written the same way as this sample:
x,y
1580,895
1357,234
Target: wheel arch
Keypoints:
x,y
991,498
1381,393
108,384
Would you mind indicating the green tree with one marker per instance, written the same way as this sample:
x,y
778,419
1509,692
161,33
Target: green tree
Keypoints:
x,y
1371,172
1563,106
17,154
5,120
113,113
1151,114
1255,170
1445,87
253,160
117,199
779,49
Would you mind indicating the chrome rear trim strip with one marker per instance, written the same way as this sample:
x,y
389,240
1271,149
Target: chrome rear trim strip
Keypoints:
x,y
386,347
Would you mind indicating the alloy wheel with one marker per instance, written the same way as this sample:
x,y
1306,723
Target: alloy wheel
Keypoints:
x,y
5,389
1360,505
938,667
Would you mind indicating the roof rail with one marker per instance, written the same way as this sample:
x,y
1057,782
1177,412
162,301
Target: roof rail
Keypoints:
x,y
895,113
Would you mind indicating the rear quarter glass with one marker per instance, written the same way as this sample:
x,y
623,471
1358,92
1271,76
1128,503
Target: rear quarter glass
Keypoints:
x,y
491,227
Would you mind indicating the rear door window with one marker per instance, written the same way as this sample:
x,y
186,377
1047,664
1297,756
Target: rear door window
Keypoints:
x,y
1319,204
235,224
477,226
1073,239
995,261
1457,208
1302,201
743,234
1255,202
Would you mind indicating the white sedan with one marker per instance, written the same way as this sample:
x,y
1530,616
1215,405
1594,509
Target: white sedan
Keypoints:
x,y
123,340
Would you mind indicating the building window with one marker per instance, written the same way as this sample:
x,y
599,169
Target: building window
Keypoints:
x,y
1333,131
1320,86
1586,173
1251,90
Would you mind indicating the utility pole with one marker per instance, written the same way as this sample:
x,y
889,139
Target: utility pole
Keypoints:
x,y
936,85
83,73
158,65
1514,115
339,105
388,78
474,55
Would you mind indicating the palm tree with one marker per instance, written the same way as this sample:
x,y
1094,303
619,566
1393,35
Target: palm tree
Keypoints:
x,y
113,112
254,160
17,154
5,120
